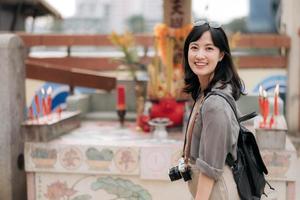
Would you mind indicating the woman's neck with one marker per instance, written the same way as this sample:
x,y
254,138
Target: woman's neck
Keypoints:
x,y
204,81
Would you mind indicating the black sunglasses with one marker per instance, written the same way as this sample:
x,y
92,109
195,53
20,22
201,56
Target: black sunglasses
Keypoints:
x,y
211,24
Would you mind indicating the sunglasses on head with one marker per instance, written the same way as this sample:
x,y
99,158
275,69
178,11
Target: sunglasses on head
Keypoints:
x,y
211,24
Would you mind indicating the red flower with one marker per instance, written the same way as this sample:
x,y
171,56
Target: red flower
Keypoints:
x,y
59,190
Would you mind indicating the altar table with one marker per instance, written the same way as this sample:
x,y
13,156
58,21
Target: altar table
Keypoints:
x,y
101,160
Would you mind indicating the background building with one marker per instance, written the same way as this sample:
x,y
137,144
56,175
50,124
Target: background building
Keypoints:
x,y
264,16
104,16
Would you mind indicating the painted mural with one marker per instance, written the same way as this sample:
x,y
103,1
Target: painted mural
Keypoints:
x,y
90,187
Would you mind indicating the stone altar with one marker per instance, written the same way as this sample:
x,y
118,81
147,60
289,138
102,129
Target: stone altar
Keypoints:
x,y
100,160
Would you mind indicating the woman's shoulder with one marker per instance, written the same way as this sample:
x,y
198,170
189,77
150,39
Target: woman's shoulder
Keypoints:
x,y
225,89
216,102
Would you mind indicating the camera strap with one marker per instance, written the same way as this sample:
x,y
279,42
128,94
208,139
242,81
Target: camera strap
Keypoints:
x,y
190,127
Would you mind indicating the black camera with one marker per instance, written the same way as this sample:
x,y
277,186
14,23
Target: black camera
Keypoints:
x,y
175,174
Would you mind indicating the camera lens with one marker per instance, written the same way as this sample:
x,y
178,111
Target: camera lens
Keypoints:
x,y
174,174
186,175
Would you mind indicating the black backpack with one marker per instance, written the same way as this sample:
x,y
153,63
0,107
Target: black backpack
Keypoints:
x,y
248,169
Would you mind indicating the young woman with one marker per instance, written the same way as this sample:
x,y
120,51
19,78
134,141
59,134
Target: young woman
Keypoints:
x,y
212,127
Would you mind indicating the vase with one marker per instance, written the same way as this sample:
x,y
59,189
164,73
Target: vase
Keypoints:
x,y
140,92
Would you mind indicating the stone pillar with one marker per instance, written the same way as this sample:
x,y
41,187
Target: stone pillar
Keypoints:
x,y
289,25
12,107
177,13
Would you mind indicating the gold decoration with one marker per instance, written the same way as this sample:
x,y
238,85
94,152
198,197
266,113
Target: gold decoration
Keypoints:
x,y
166,71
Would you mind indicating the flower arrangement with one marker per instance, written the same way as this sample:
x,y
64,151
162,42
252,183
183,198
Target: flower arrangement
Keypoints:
x,y
126,44
166,71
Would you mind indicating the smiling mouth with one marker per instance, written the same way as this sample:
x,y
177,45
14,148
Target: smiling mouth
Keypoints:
x,y
198,64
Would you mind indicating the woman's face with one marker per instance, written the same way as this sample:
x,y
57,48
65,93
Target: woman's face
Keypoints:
x,y
203,57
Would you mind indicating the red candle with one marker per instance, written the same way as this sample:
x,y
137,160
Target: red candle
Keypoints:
x,y
59,110
31,117
37,104
49,99
276,94
121,97
265,107
260,100
44,105
271,123
49,103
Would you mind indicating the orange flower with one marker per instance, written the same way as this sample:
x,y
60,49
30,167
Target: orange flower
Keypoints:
x,y
160,30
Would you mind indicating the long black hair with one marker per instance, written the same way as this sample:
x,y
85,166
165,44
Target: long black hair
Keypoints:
x,y
225,71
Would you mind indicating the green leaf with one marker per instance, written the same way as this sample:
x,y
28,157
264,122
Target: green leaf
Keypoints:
x,y
136,188
122,188
145,195
82,197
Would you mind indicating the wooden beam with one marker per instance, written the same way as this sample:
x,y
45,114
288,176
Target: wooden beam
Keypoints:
x,y
262,41
241,41
90,63
72,77
104,63
77,40
261,62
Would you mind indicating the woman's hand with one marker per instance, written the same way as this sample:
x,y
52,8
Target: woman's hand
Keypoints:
x,y
204,188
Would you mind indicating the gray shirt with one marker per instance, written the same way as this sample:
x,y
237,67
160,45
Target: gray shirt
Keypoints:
x,y
214,134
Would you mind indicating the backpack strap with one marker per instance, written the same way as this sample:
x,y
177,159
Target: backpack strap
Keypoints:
x,y
227,98
247,116
230,101
229,158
